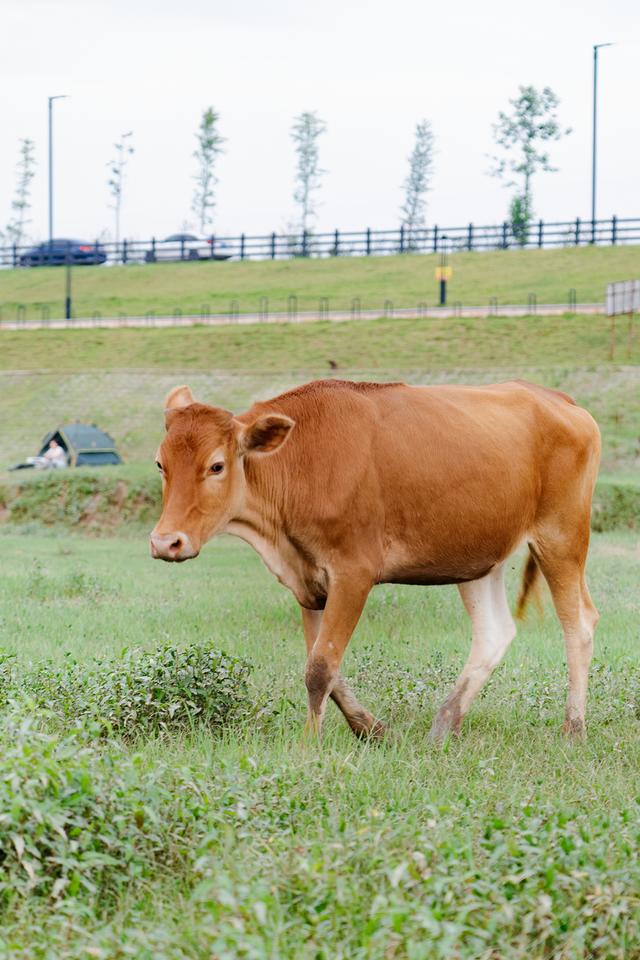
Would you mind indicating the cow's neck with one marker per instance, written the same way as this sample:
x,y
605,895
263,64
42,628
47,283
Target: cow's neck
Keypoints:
x,y
259,522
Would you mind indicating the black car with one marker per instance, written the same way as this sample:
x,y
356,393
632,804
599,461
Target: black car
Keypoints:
x,y
55,252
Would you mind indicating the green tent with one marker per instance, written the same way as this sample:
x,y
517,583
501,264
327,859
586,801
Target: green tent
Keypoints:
x,y
85,445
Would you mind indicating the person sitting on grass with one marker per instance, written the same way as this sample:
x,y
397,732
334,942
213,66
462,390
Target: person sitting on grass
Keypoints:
x,y
55,457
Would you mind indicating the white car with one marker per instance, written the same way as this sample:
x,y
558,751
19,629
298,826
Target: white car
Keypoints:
x,y
187,246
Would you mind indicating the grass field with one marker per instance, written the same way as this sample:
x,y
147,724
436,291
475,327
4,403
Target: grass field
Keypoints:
x,y
180,842
407,280
510,843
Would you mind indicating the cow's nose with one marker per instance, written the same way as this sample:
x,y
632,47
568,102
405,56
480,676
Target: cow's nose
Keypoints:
x,y
172,546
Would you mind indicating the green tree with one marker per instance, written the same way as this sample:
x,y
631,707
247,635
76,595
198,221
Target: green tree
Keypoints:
x,y
417,183
306,131
21,203
124,149
209,148
520,135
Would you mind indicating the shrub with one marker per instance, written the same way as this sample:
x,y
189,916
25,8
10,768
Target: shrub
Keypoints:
x,y
78,824
139,693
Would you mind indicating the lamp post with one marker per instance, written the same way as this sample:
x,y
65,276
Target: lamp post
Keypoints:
x,y
61,96
596,47
443,271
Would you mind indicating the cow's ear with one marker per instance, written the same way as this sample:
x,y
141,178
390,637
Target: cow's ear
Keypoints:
x,y
265,434
178,397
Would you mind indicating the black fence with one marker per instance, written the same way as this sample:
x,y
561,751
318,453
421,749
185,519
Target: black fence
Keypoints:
x,y
339,243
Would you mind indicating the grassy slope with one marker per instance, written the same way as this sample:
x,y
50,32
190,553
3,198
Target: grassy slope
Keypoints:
x,y
510,843
232,366
508,275
383,344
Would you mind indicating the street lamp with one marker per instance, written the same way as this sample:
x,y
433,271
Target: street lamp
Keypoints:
x,y
596,47
61,96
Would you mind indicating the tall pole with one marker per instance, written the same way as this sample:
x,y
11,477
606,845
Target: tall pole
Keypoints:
x,y
51,99
596,47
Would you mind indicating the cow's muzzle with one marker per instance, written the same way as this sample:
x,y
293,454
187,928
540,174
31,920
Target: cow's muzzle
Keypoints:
x,y
174,547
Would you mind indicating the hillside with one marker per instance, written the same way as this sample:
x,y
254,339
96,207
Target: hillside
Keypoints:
x,y
509,275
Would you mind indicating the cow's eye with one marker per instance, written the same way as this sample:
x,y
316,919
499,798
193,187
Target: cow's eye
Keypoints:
x,y
216,468
159,465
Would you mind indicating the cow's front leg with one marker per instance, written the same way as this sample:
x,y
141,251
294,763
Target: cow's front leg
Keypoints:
x,y
345,601
362,723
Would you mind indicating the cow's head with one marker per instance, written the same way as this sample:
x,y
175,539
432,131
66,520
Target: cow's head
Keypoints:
x,y
202,463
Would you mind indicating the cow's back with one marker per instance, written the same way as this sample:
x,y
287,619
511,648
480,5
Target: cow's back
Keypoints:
x,y
430,484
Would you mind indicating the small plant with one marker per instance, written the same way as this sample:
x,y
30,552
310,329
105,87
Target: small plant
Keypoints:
x,y
77,824
146,693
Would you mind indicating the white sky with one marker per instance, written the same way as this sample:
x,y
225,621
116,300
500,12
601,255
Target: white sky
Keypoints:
x,y
371,68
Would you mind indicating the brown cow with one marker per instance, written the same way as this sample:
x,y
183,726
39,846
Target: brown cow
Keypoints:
x,y
340,486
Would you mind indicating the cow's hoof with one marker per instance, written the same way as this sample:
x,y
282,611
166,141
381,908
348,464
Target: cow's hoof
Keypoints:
x,y
574,728
445,725
374,730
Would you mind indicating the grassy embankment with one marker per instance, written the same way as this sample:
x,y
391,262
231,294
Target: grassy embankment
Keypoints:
x,y
119,378
406,280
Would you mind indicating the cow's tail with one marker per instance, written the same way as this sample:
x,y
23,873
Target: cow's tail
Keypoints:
x,y
529,588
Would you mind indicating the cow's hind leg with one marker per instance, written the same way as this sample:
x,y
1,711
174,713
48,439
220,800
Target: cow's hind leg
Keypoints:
x,y
492,630
362,723
563,568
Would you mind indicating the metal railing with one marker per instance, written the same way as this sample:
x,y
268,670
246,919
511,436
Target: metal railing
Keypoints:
x,y
355,243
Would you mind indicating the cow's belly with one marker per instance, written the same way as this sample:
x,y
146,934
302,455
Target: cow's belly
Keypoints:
x,y
432,564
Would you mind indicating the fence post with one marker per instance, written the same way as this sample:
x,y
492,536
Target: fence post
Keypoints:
x,y
577,238
505,235
435,238
614,229
402,238
470,237
15,255
182,248
242,246
323,307
540,233
304,243
124,251
388,309
336,243
368,242
212,246
572,299
273,246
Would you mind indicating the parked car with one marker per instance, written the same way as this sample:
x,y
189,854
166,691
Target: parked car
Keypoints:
x,y
187,246
55,252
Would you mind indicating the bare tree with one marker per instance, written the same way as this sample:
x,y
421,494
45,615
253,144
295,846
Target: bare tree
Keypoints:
x,y
123,149
306,131
209,148
418,182
21,204
532,122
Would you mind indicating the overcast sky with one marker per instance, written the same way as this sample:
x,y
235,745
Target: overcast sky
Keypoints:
x,y
371,68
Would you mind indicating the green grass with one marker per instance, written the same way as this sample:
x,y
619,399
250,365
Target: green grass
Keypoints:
x,y
129,403
509,843
382,344
406,280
